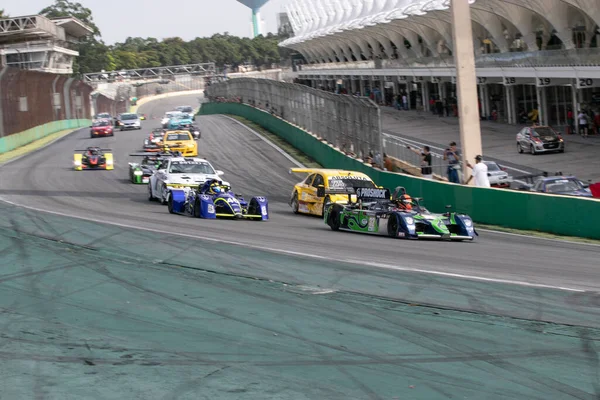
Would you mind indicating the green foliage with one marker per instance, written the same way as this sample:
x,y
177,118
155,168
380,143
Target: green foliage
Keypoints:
x,y
3,14
135,52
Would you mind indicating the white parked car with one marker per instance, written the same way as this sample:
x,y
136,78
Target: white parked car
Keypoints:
x,y
179,172
168,116
497,175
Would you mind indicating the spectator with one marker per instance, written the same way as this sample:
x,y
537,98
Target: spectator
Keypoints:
x,y
570,121
452,155
583,123
405,102
425,154
388,164
480,173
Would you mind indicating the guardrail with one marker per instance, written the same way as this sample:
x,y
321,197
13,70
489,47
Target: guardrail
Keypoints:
x,y
507,208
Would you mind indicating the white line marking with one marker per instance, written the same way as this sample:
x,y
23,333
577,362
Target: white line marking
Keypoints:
x,y
421,144
305,255
537,237
273,145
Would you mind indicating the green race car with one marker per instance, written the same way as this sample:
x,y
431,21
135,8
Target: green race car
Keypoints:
x,y
378,212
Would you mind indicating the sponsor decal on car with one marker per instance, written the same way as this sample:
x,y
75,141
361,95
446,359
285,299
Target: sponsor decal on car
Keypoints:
x,y
211,209
372,193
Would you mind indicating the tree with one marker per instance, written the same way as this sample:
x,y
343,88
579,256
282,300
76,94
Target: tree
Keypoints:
x,y
65,8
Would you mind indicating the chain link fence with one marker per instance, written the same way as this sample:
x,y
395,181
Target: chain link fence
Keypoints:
x,y
404,150
350,123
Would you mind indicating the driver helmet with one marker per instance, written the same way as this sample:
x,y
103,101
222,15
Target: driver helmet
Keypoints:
x,y
214,187
404,202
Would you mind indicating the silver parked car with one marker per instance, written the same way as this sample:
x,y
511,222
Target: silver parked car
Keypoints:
x,y
539,139
497,175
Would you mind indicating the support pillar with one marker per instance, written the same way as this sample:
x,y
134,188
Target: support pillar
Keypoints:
x,y
353,86
424,96
575,102
466,83
539,105
362,87
486,94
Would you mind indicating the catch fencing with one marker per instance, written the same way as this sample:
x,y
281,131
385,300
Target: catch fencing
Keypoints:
x,y
30,98
352,124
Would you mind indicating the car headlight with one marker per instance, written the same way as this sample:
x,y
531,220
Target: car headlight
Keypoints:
x,y
468,222
409,221
138,173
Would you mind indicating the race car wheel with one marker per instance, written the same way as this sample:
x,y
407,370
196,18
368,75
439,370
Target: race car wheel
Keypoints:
x,y
393,226
334,217
170,205
197,206
295,205
519,148
532,150
150,196
325,201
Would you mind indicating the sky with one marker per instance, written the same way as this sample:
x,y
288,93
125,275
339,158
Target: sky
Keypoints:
x,y
188,19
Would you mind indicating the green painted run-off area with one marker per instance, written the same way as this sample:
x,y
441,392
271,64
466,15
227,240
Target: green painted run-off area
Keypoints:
x,y
561,215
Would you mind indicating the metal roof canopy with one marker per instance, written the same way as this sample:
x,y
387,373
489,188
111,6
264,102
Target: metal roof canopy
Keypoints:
x,y
27,27
73,26
206,69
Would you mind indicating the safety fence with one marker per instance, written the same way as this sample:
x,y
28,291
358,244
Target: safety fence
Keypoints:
x,y
31,99
507,208
350,123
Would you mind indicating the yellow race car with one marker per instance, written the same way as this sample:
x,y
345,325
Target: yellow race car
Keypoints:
x,y
181,141
335,184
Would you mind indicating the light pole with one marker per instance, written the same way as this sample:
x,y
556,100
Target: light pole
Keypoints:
x,y
466,83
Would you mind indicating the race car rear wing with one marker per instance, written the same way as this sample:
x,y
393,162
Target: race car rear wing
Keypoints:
x,y
362,193
103,150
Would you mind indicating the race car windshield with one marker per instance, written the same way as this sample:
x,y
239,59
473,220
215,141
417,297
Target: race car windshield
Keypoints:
x,y
129,116
101,123
492,167
562,186
178,136
542,132
103,115
350,182
191,168
186,109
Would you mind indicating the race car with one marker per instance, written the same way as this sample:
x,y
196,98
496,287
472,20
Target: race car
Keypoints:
x,y
154,141
181,141
179,172
180,121
187,110
170,114
377,212
93,158
214,199
142,171
101,127
143,117
304,197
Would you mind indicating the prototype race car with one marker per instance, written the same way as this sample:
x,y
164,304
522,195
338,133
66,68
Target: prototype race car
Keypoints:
x,y
93,158
214,200
179,172
397,216
154,141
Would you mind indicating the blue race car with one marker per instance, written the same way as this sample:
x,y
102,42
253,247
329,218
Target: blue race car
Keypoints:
x,y
564,185
214,199
180,121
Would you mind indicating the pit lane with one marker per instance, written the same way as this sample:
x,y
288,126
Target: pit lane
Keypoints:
x,y
45,180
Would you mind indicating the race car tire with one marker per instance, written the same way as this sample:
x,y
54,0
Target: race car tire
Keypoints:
x,y
325,201
519,148
295,204
334,217
197,206
91,136
393,226
150,196
532,150
170,205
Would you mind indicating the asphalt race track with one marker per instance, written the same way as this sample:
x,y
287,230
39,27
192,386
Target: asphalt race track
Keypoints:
x,y
46,180
154,305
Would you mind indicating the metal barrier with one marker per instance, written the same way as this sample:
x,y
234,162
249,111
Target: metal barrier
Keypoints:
x,y
350,123
398,148
179,83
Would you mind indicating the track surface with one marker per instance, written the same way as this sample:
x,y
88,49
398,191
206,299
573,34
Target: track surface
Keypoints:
x,y
46,180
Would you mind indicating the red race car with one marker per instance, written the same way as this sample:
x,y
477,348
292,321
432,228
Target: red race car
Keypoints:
x,y
101,127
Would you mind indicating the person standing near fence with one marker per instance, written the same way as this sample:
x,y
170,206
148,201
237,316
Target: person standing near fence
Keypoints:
x,y
425,154
480,173
452,155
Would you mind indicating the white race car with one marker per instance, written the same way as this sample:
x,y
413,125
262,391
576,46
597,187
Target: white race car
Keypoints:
x,y
179,172
168,116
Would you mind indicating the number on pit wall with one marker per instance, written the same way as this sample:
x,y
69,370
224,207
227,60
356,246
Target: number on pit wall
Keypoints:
x,y
544,81
585,82
510,81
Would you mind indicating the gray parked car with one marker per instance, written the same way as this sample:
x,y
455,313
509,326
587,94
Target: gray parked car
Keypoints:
x,y
539,139
130,121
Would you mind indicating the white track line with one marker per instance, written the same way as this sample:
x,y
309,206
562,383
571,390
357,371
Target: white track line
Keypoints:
x,y
306,255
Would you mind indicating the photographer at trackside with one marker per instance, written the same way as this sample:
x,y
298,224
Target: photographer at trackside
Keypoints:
x,y
425,154
480,172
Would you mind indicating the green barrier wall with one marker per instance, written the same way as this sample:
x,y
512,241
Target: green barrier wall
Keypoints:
x,y
11,142
560,215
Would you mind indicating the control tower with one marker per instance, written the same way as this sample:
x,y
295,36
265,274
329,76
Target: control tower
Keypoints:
x,y
255,6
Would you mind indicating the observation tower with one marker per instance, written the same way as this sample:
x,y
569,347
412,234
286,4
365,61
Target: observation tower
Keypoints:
x,y
255,6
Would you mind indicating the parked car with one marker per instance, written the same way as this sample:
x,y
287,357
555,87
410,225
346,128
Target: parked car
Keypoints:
x,y
539,139
497,175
